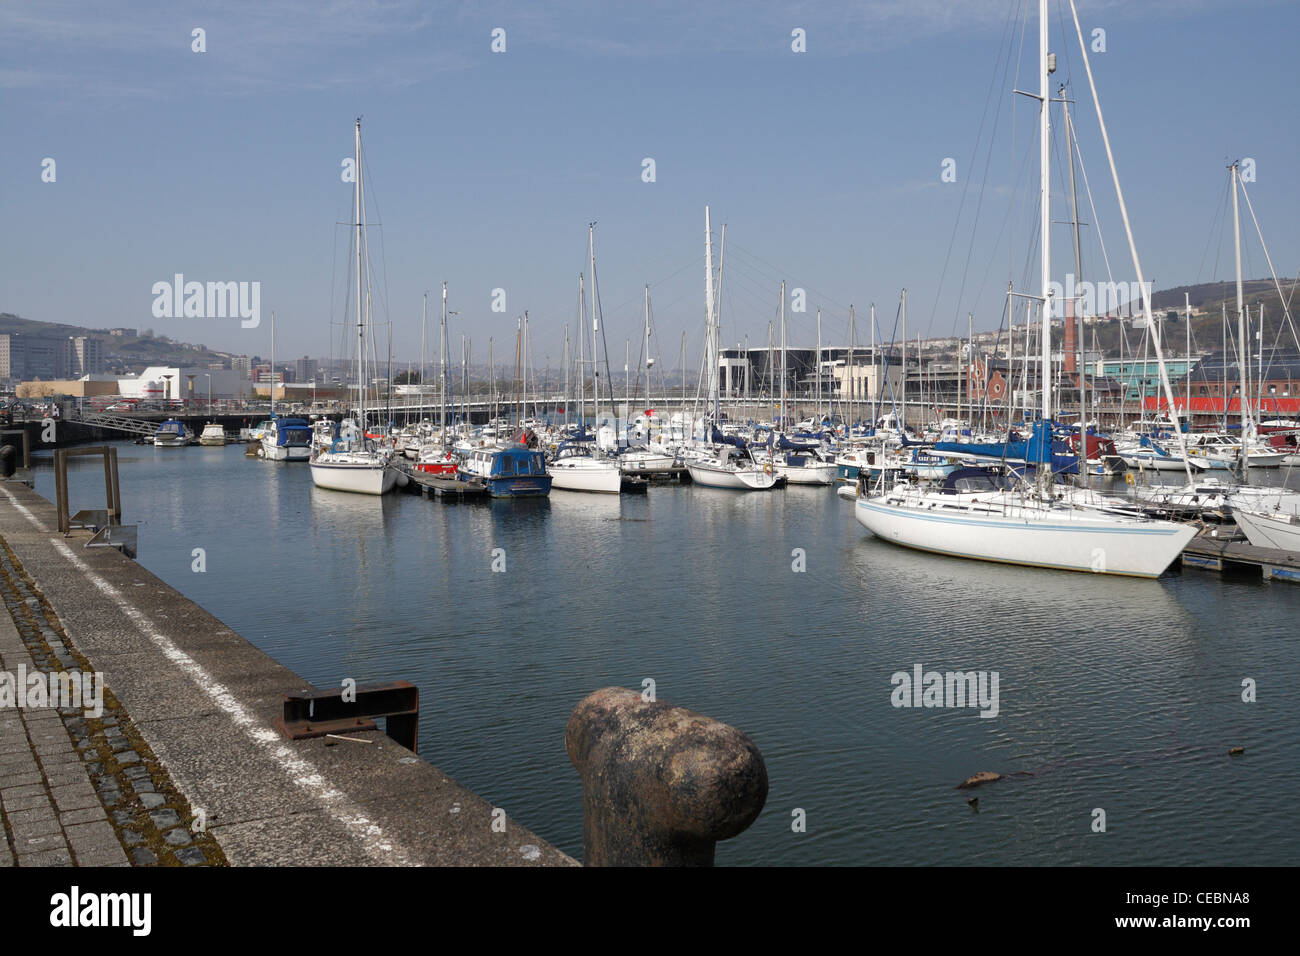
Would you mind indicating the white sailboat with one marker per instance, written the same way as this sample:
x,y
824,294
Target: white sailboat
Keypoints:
x,y
728,470
1270,529
573,468
972,516
356,466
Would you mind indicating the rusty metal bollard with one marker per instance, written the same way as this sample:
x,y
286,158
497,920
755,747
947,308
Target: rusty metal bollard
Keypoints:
x,y
660,784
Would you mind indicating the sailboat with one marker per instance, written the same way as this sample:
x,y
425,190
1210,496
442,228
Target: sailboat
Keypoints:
x,y
974,514
356,464
574,469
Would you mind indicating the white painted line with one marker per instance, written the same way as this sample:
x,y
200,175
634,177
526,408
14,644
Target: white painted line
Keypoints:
x,y
23,511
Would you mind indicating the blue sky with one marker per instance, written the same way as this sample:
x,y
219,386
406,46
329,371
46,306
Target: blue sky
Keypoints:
x,y
486,167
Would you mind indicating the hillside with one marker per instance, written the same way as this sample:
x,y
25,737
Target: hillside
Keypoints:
x,y
122,354
1207,328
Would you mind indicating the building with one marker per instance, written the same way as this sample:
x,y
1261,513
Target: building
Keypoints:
x,y
242,364
756,372
86,356
162,383
304,369
124,333
33,356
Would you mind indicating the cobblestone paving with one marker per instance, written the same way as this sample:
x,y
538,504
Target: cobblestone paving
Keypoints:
x,y
79,790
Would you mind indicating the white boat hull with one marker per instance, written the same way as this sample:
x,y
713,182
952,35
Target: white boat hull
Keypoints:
x,y
1263,529
365,478
1066,539
597,477
273,452
743,479
820,474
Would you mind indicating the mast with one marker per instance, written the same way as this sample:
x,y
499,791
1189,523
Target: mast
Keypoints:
x,y
595,321
1187,358
710,343
1225,364
424,322
1071,308
819,369
1046,65
875,391
784,426
442,378
582,357
903,306
273,363
361,329
566,375
648,360
1243,361
852,378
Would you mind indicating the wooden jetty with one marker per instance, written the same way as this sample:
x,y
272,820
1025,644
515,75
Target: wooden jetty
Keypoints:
x,y
1229,554
430,485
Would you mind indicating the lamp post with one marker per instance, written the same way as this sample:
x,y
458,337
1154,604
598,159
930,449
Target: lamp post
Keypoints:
x,y
208,376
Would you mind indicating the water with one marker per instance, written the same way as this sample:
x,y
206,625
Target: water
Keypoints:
x,y
1117,694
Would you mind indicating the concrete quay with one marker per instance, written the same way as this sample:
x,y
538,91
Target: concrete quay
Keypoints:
x,y
183,766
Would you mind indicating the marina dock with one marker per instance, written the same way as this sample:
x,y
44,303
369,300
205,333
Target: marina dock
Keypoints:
x,y
184,765
1228,555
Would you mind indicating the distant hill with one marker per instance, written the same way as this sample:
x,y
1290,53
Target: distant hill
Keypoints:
x,y
122,354
1209,298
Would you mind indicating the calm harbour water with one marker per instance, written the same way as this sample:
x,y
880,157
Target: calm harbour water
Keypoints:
x,y
1117,694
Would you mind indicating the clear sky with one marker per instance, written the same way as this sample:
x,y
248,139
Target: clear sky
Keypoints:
x,y
486,167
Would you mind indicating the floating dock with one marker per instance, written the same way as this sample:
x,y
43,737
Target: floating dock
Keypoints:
x,y
1229,554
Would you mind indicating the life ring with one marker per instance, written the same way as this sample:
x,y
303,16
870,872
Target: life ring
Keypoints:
x,y
1128,478
767,468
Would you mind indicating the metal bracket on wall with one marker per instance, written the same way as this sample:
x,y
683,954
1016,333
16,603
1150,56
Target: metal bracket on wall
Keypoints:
x,y
316,713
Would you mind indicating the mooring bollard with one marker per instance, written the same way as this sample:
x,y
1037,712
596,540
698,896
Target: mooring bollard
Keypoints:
x,y
660,784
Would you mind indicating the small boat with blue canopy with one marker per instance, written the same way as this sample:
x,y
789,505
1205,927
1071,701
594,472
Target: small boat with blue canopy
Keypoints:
x,y
288,440
172,434
510,472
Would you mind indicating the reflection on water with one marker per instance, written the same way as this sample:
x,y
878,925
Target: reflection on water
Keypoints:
x,y
1114,693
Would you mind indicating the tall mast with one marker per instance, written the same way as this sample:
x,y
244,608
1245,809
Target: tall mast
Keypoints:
x,y
1045,69
595,324
361,333
903,306
819,368
582,357
442,378
1187,357
1243,351
648,361
567,403
784,426
1071,308
273,363
424,322
875,379
710,343
853,379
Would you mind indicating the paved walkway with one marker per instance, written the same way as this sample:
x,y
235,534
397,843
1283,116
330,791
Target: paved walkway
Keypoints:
x,y
77,788
185,766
